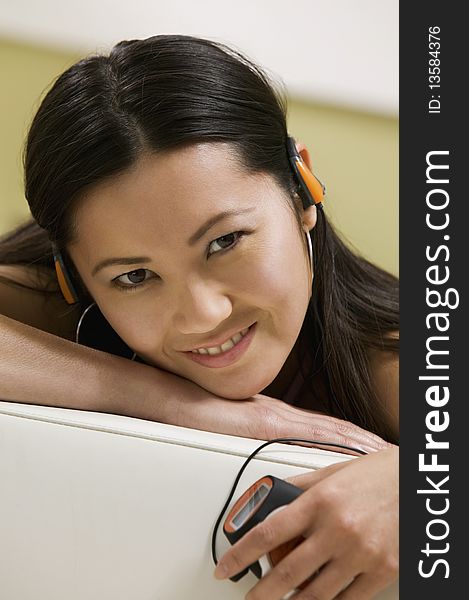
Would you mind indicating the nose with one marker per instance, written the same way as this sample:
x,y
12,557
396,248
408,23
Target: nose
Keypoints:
x,y
200,306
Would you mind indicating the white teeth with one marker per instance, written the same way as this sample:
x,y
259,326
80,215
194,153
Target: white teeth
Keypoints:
x,y
230,343
225,346
236,338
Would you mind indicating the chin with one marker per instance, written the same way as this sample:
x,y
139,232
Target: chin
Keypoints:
x,y
230,392
242,391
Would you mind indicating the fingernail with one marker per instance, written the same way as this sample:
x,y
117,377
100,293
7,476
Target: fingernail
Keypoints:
x,y
221,571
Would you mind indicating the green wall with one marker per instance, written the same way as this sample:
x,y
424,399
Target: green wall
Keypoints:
x,y
26,73
354,154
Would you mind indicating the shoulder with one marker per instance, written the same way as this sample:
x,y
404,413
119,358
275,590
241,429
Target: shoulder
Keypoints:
x,y
384,371
30,295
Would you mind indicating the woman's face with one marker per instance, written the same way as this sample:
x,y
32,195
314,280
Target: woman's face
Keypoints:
x,y
188,250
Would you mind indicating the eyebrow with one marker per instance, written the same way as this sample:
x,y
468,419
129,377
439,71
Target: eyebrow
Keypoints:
x,y
214,220
128,260
134,260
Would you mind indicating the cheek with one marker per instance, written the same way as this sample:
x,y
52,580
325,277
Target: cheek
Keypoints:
x,y
140,327
275,273
269,276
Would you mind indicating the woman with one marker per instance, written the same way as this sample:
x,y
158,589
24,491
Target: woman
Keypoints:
x,y
163,179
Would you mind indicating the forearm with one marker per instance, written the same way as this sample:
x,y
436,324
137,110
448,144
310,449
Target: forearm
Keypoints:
x,y
39,368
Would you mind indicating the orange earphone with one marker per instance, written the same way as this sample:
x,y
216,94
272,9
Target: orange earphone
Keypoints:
x,y
65,282
310,189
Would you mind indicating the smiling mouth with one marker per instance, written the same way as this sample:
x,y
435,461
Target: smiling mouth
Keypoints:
x,y
216,357
230,343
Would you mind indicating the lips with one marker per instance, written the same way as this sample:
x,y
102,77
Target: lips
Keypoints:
x,y
226,358
218,349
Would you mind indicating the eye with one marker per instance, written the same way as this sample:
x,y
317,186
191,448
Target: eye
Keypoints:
x,y
133,279
225,242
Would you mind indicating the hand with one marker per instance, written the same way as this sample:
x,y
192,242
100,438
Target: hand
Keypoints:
x,y
282,420
348,515
265,418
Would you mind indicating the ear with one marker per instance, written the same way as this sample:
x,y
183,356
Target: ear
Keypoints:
x,y
309,218
309,214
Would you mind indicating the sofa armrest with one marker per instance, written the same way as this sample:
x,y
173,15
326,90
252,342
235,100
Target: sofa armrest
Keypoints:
x,y
105,507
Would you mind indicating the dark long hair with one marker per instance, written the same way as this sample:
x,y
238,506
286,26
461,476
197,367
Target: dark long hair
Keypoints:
x,y
170,91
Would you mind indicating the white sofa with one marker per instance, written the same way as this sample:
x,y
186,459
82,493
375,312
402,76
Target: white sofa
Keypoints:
x,y
102,507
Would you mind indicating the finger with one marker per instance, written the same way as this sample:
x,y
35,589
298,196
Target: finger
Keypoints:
x,y
330,437
293,571
364,587
329,582
326,428
274,531
306,480
290,572
285,419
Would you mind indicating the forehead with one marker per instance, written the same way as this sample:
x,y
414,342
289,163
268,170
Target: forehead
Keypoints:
x,y
170,193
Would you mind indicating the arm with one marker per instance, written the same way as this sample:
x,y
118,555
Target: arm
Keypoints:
x,y
39,368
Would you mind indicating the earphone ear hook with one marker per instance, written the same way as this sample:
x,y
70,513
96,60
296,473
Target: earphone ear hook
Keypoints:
x,y
65,283
312,191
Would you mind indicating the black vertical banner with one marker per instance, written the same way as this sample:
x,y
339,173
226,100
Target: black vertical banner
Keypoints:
x,y
434,252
